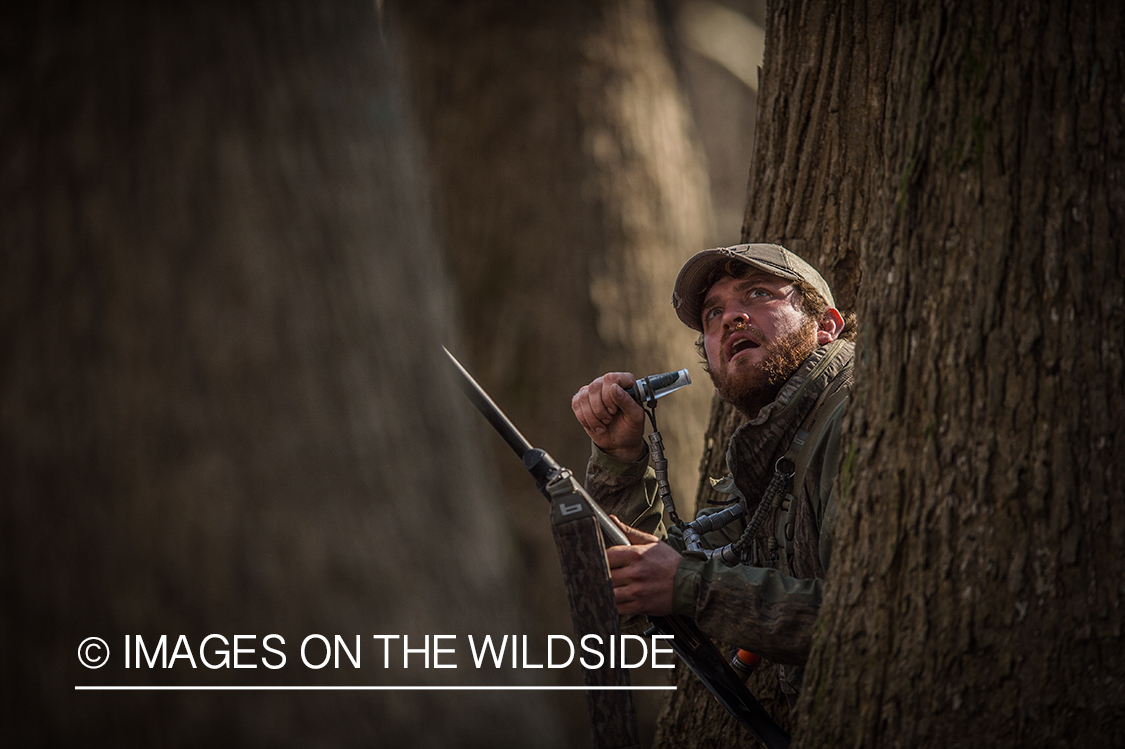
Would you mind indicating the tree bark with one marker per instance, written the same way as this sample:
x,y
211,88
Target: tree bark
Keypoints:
x,y
222,407
964,162
981,533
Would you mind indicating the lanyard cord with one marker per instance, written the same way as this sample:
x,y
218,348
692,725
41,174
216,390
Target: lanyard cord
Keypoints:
x,y
737,551
660,465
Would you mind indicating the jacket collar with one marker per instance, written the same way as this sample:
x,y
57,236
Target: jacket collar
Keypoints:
x,y
757,444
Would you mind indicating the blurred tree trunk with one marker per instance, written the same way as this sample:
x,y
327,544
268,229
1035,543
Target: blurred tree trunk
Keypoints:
x,y
222,406
965,161
570,191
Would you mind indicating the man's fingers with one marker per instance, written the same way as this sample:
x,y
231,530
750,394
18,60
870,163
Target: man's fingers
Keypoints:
x,y
621,400
589,406
584,406
596,392
642,573
630,599
611,419
620,556
624,379
611,387
586,417
614,395
635,536
622,598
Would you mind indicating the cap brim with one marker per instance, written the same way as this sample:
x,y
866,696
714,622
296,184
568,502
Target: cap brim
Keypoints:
x,y
692,282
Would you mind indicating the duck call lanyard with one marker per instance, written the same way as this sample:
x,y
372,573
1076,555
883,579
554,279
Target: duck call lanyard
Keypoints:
x,y
660,462
775,493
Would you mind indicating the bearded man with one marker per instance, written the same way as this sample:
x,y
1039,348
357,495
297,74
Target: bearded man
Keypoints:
x,y
777,350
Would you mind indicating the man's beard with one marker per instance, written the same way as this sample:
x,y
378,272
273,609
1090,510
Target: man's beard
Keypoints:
x,y
749,388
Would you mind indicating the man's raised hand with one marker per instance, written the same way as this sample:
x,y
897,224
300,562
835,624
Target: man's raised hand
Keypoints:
x,y
614,421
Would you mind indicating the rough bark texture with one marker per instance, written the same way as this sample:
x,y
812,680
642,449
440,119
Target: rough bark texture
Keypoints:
x,y
570,192
965,161
215,412
981,540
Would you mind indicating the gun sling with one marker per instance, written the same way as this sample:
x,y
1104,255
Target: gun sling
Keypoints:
x,y
689,642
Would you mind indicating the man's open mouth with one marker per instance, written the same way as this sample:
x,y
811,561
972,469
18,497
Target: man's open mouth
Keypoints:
x,y
741,345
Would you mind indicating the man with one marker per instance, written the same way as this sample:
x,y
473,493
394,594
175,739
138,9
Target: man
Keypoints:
x,y
775,349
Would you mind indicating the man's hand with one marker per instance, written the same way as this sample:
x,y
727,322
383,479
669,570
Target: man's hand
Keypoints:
x,y
613,420
642,574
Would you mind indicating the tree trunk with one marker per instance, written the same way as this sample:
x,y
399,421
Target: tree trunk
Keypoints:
x,y
571,192
964,161
977,598
222,407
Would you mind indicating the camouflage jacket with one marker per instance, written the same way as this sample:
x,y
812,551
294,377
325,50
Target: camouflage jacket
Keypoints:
x,y
770,605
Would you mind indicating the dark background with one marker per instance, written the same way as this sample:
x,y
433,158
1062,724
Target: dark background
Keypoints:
x,y
231,249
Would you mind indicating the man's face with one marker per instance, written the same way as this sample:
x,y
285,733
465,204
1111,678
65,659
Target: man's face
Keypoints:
x,y
755,337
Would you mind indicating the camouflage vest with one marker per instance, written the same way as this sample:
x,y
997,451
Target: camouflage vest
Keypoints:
x,y
795,426
790,540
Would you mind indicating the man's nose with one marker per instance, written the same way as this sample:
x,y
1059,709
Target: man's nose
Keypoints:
x,y
735,318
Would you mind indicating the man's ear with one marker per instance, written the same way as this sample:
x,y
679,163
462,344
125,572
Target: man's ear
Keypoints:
x,y
829,327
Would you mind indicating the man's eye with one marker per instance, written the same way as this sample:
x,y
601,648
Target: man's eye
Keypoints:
x,y
758,291
712,313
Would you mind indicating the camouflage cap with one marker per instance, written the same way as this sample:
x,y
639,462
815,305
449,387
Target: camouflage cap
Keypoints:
x,y
694,278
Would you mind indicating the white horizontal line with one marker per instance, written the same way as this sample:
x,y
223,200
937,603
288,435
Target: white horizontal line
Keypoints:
x,y
367,689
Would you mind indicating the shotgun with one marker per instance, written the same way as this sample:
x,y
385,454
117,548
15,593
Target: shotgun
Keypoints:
x,y
688,642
